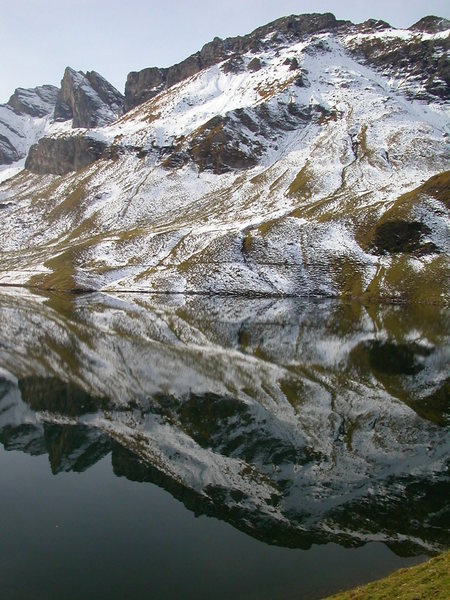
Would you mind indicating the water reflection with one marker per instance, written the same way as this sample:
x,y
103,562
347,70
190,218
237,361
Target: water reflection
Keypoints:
x,y
296,422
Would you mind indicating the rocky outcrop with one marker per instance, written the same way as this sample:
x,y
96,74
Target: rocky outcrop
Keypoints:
x,y
20,116
372,25
8,153
143,85
420,58
227,143
88,99
58,156
431,24
302,178
423,63
146,84
403,236
35,102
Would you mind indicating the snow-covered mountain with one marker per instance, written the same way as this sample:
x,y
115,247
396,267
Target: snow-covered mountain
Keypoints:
x,y
84,100
23,119
307,158
296,421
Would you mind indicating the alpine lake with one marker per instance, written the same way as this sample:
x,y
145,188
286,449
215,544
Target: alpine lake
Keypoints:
x,y
197,447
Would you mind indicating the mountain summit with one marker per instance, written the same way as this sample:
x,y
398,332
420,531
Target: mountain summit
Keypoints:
x,y
307,158
87,99
84,100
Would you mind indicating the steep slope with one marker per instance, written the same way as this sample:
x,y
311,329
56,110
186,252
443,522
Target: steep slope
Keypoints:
x,y
84,100
87,99
146,84
411,52
295,165
23,120
416,59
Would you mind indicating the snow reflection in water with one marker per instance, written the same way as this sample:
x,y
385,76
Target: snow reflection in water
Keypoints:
x,y
297,422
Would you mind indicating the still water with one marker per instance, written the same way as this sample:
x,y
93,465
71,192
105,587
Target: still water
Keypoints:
x,y
189,447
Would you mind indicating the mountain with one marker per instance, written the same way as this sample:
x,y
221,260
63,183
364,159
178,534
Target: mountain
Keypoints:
x,y
84,100
307,158
87,99
23,119
298,422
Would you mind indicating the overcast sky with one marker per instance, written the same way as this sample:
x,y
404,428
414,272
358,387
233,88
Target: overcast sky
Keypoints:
x,y
39,38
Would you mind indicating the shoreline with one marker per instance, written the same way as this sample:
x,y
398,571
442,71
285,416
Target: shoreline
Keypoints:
x,y
429,579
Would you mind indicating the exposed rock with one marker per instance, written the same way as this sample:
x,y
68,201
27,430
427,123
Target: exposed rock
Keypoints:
x,y
372,25
254,64
225,143
235,64
8,153
61,155
88,99
309,174
146,84
423,61
36,102
431,24
217,147
402,236
143,85
19,117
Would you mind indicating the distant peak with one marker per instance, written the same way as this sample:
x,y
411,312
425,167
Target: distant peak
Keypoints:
x,y
373,25
431,24
36,102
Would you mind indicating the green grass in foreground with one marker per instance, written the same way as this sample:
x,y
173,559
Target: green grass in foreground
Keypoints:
x,y
429,580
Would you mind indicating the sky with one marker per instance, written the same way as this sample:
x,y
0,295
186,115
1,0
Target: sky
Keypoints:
x,y
39,38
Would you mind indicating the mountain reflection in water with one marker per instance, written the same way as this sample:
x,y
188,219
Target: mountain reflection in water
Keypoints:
x,y
297,422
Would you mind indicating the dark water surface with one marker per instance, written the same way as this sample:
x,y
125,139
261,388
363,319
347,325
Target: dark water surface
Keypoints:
x,y
97,536
188,447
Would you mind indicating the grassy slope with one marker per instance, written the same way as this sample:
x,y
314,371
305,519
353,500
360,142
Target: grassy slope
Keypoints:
x,y
68,253
430,580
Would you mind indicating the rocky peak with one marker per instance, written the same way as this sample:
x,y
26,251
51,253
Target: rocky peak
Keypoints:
x,y
431,24
146,84
372,25
88,99
296,26
35,102
421,61
21,117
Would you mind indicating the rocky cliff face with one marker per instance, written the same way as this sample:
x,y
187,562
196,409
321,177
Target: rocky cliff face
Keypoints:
x,y
146,84
19,120
420,61
431,24
62,155
87,99
84,100
417,58
35,102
